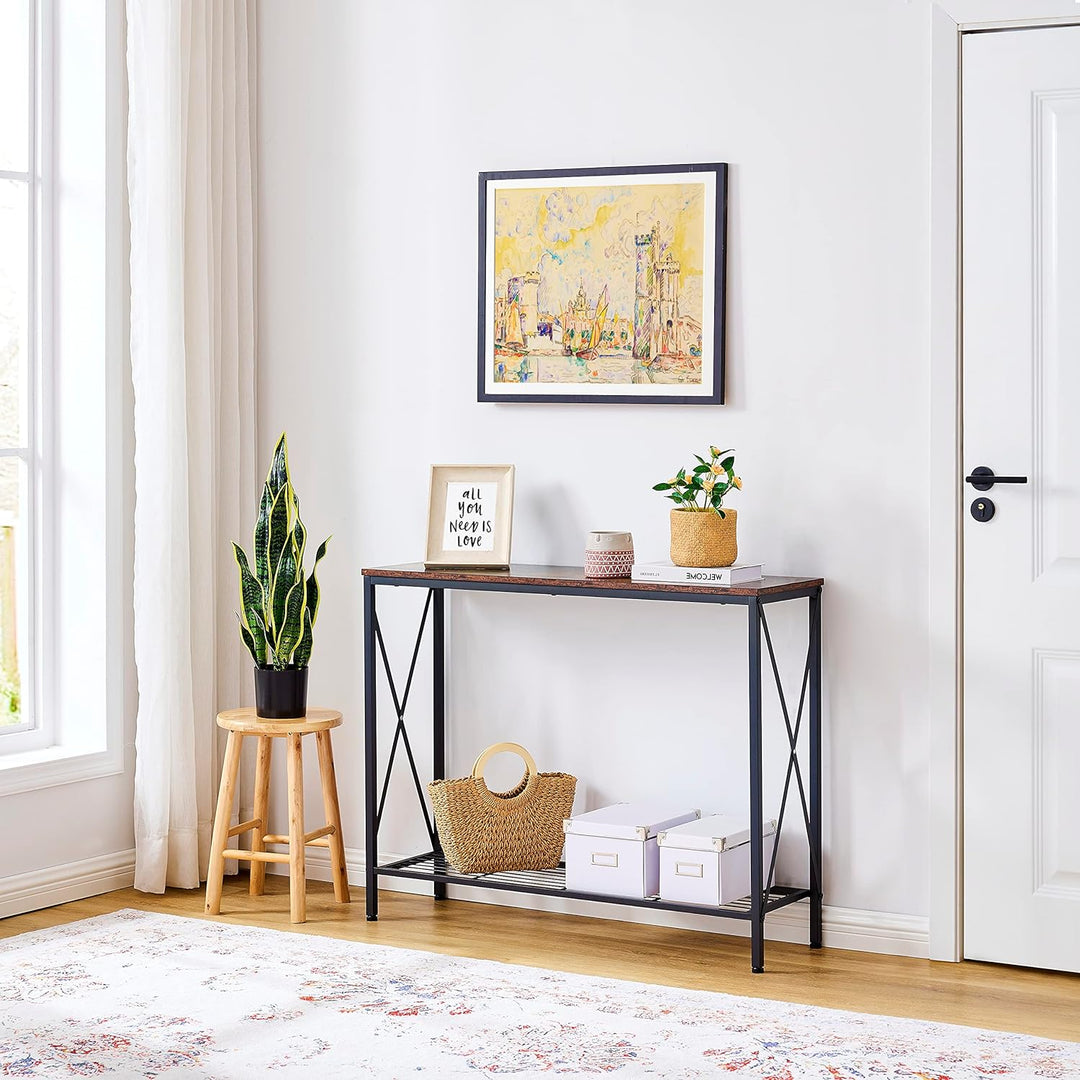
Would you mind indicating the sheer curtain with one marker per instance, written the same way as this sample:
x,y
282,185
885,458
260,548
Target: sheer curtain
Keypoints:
x,y
191,188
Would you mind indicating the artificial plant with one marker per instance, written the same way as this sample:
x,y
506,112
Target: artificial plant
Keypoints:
x,y
279,605
702,487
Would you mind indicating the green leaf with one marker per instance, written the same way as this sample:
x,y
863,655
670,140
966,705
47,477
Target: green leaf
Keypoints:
x,y
702,468
721,512
702,460
248,640
271,657
292,624
727,464
251,602
262,534
313,582
302,656
311,611
278,541
661,487
286,576
278,476
299,532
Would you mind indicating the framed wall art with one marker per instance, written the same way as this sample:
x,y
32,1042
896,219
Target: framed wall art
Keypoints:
x,y
603,285
470,516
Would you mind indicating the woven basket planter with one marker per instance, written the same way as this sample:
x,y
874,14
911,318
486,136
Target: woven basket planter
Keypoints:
x,y
484,831
703,538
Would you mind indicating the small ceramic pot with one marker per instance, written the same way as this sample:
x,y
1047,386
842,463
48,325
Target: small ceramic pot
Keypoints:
x,y
609,554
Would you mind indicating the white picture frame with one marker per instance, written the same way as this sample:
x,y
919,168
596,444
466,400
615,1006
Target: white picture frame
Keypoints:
x,y
470,517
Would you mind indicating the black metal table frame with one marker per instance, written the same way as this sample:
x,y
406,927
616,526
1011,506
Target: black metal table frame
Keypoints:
x,y
764,897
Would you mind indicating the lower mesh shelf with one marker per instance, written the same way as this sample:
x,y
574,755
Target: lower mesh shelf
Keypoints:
x,y
433,865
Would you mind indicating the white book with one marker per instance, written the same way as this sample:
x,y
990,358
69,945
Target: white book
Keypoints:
x,y
665,572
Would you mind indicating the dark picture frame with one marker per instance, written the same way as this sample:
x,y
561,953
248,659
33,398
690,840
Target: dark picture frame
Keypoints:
x,y
623,337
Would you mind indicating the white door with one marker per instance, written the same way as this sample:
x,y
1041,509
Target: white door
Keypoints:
x,y
1021,393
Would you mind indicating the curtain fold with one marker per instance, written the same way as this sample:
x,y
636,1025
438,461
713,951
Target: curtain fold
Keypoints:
x,y
191,190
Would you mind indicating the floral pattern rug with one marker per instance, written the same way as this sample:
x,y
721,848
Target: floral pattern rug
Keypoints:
x,y
137,994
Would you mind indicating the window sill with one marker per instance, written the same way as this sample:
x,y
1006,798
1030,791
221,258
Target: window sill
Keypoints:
x,y
30,770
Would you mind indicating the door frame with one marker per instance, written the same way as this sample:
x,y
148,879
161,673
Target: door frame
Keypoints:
x,y
950,20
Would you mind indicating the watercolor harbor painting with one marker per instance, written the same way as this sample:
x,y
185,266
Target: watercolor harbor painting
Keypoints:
x,y
602,285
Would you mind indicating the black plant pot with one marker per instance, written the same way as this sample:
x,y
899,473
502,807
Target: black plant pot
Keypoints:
x,y
281,695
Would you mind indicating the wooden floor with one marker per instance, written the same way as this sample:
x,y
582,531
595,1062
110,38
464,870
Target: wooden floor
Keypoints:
x,y
981,995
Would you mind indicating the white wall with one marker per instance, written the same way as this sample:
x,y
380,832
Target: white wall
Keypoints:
x,y
374,121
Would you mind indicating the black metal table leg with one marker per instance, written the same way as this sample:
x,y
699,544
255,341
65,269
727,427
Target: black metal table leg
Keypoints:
x,y
757,869
816,885
438,699
371,820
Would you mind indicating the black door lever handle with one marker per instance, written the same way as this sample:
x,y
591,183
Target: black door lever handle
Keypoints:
x,y
983,479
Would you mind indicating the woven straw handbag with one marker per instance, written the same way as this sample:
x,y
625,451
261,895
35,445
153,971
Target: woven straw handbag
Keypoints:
x,y
484,831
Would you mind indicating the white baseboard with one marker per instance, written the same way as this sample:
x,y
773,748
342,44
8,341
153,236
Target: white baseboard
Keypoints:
x,y
843,928
69,881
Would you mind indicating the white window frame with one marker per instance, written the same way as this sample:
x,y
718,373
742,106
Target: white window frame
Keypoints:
x,y
36,730
85,693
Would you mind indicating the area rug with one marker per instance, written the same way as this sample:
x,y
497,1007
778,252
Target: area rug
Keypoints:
x,y
136,994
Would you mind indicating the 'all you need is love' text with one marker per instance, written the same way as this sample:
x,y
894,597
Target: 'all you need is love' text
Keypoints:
x,y
470,516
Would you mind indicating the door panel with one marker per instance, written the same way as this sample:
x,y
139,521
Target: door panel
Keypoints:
x,y
1057,794
1021,379
1056,167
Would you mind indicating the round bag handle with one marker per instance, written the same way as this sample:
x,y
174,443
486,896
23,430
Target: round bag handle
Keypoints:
x,y
505,799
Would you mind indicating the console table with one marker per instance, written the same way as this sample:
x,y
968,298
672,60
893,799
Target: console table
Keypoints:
x,y
430,865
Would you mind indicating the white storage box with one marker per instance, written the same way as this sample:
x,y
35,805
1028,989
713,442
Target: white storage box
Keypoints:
x,y
613,850
708,861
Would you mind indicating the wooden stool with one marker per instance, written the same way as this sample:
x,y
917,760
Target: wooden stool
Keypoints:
x,y
241,722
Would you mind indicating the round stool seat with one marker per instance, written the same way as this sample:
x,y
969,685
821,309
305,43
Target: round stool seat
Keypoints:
x,y
248,722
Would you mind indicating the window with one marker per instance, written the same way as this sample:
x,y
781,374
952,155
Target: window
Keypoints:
x,y
64,521
20,204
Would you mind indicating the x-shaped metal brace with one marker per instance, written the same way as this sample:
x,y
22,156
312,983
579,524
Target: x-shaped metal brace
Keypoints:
x,y
793,744
401,735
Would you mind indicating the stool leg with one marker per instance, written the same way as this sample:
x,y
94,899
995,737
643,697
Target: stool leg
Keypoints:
x,y
333,816
262,811
297,868
215,876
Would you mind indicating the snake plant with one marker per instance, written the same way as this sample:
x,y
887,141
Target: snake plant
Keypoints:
x,y
278,604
